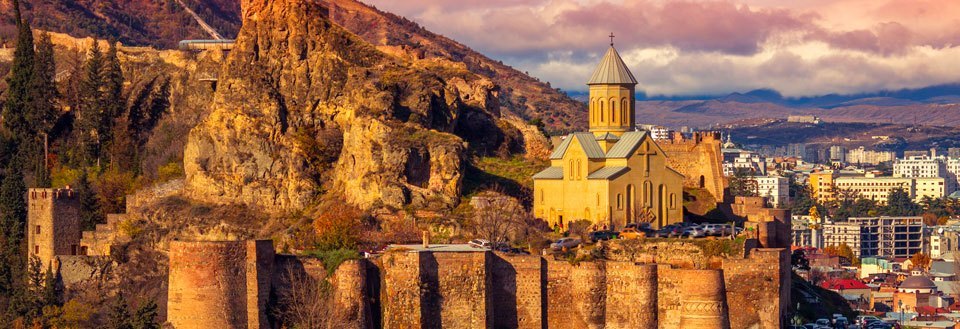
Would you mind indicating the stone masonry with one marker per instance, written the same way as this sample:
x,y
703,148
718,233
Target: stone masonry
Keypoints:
x,y
698,159
226,284
53,223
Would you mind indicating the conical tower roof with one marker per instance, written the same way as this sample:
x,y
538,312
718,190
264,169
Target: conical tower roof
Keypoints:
x,y
612,70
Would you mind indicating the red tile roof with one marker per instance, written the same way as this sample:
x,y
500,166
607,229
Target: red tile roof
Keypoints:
x,y
843,284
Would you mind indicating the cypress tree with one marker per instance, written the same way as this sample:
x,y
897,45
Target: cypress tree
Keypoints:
x,y
120,315
89,208
18,84
113,101
13,206
90,110
43,110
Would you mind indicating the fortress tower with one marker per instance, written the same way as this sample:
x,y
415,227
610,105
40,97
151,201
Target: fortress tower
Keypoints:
x,y
699,159
53,223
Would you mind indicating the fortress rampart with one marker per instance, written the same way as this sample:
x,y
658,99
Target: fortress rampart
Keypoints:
x,y
222,284
225,284
698,159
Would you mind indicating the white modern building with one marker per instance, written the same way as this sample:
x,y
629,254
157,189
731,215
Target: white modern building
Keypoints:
x,y
775,188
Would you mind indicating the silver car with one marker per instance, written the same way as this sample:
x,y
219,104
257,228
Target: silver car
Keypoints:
x,y
568,243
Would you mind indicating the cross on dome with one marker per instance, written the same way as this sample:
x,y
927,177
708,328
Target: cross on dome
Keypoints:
x,y
611,39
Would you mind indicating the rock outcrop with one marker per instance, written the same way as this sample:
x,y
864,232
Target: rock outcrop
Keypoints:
x,y
304,107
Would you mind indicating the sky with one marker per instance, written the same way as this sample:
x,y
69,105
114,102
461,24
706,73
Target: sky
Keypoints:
x,y
707,47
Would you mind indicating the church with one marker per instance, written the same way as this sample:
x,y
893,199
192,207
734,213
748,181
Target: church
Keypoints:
x,y
612,175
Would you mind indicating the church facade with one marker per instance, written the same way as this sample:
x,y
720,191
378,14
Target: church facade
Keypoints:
x,y
612,175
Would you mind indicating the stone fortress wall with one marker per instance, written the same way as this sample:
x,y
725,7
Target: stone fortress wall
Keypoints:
x,y
698,159
222,284
219,284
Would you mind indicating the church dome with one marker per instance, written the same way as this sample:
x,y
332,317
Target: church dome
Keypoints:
x,y
917,282
612,71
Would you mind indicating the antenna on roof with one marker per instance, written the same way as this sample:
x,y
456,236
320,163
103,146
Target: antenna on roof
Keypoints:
x,y
611,39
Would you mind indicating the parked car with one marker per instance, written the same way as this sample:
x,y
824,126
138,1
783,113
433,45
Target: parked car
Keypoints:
x,y
865,320
693,231
879,325
597,236
631,233
568,243
669,231
717,229
824,322
480,243
638,226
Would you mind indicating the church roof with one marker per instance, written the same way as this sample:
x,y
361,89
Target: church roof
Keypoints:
x,y
608,137
587,141
628,143
608,172
612,70
550,173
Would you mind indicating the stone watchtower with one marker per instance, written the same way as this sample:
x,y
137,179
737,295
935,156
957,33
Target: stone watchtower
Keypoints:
x,y
53,223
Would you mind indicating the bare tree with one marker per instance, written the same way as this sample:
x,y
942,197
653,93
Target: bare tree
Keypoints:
x,y
307,302
497,217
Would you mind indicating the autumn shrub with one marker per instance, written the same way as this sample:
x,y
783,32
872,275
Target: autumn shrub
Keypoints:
x,y
337,226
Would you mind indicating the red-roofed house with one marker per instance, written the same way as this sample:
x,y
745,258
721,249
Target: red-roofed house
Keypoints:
x,y
848,288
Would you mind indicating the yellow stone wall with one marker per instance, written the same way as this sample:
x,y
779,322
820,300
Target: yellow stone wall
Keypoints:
x,y
612,109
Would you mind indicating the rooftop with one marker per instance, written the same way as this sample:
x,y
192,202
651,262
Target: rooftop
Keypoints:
x,y
612,70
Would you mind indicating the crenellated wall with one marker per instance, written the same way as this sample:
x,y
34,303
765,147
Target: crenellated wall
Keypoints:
x,y
697,157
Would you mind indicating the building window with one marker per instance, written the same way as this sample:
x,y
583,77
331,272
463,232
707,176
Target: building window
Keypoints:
x,y
36,250
619,201
541,196
37,230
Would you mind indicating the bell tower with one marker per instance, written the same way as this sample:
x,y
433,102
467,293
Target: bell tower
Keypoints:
x,y
612,100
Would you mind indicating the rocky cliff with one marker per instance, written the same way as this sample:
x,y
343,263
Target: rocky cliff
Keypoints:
x,y
304,107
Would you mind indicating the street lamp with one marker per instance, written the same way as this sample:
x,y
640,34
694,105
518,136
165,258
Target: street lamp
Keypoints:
x,y
900,304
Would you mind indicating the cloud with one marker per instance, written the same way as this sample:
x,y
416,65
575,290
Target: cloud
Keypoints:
x,y
707,46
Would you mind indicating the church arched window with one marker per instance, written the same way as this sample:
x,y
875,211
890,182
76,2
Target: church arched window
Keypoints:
x,y
647,194
673,201
600,102
613,111
619,201
541,197
598,199
624,110
570,165
579,172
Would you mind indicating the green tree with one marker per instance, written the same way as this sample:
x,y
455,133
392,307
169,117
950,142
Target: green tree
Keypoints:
x,y
90,108
742,183
18,83
119,317
899,203
43,112
146,316
13,206
89,207
113,102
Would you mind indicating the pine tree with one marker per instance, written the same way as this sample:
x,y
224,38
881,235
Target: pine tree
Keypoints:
x,y
43,109
89,208
90,109
120,315
18,83
113,101
13,206
51,294
146,317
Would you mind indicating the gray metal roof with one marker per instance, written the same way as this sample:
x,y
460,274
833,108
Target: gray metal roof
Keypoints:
x,y
628,143
608,173
608,137
587,141
550,173
612,70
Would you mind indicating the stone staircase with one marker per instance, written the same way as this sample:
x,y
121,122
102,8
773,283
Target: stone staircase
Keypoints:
x,y
98,241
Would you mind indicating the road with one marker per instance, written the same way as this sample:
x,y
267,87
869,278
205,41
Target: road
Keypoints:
x,y
206,27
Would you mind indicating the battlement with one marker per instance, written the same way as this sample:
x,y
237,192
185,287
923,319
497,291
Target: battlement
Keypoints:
x,y
696,138
38,194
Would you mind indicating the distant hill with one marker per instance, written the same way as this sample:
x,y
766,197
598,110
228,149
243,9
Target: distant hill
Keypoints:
x,y
156,23
162,23
935,105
